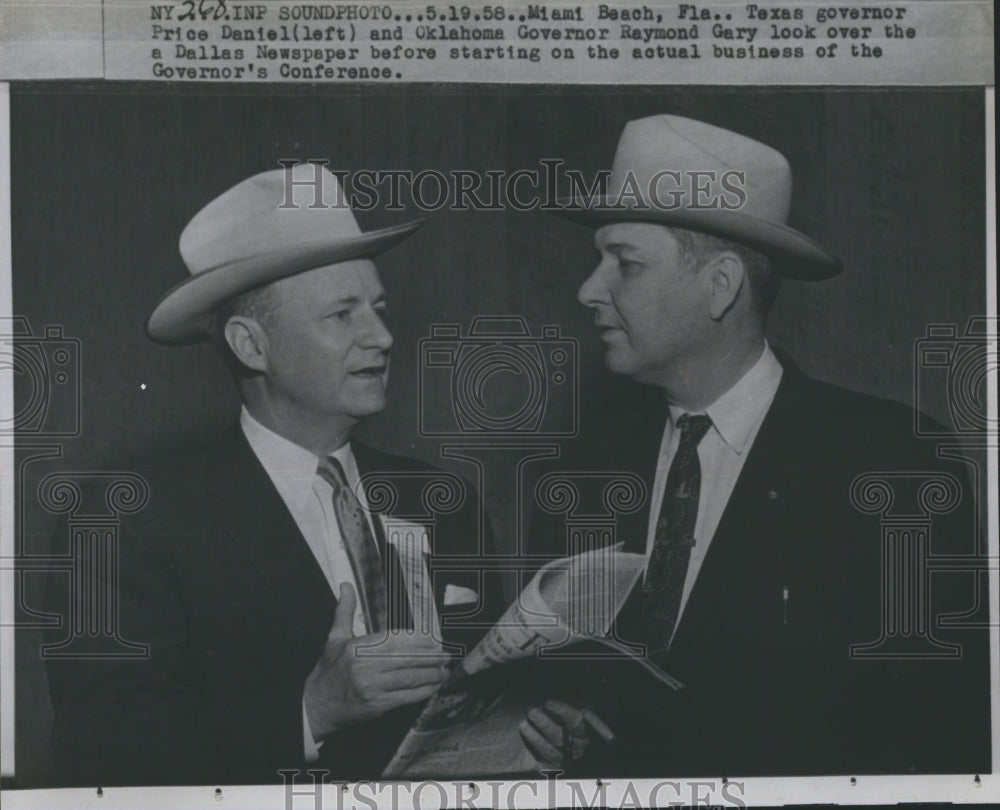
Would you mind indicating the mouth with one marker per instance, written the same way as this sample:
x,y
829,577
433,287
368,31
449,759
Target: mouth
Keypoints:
x,y
370,372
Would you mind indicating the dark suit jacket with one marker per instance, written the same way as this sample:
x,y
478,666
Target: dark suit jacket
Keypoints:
x,y
771,685
217,579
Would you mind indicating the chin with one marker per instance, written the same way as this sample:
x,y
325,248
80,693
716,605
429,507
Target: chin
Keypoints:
x,y
361,407
617,364
370,408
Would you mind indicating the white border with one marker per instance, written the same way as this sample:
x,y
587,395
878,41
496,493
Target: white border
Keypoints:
x,y
961,789
6,460
993,454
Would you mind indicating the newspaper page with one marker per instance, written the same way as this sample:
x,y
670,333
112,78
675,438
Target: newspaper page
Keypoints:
x,y
712,281
464,731
574,597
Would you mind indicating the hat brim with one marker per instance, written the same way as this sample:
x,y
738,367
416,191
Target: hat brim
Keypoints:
x,y
185,312
794,254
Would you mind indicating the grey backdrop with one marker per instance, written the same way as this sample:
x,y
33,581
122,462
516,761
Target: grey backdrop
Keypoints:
x,y
106,176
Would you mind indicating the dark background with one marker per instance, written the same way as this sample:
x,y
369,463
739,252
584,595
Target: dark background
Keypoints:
x,y
106,176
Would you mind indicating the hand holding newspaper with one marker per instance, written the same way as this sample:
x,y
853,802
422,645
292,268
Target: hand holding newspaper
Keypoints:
x,y
469,728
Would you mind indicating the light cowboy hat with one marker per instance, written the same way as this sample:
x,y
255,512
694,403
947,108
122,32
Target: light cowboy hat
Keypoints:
x,y
677,171
268,227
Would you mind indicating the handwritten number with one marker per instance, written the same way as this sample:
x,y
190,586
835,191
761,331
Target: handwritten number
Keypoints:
x,y
217,13
205,9
189,14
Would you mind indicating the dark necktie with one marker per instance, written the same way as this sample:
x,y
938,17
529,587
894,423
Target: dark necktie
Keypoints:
x,y
674,538
366,564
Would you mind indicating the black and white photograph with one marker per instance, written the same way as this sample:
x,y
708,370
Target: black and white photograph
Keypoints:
x,y
476,434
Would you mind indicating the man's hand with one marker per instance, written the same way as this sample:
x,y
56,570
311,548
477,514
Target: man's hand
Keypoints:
x,y
558,734
348,686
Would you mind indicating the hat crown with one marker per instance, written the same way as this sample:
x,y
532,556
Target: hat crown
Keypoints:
x,y
648,147
289,206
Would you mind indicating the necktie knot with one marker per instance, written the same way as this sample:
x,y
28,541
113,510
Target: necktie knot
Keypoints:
x,y
331,471
693,428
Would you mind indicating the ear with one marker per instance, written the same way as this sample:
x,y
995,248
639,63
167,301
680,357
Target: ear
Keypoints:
x,y
248,341
726,277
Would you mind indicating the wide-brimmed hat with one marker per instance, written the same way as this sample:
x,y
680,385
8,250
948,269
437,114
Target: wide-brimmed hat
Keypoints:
x,y
676,171
268,227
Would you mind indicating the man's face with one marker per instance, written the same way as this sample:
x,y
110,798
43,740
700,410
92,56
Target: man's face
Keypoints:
x,y
328,345
650,308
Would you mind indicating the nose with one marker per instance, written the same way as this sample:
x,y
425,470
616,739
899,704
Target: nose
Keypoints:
x,y
594,290
378,335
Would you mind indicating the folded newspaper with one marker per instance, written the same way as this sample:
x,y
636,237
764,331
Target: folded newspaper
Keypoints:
x,y
552,642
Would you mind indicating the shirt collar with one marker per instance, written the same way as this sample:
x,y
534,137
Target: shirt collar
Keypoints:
x,y
737,411
290,466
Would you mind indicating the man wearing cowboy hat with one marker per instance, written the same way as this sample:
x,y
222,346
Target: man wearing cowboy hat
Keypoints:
x,y
762,588
260,577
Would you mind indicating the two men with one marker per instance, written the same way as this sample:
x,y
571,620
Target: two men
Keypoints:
x,y
764,578
264,576
252,573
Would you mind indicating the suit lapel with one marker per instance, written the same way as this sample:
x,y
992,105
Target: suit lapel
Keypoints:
x,y
747,542
253,514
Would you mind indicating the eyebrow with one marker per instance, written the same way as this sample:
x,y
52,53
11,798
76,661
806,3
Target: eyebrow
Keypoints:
x,y
353,300
619,248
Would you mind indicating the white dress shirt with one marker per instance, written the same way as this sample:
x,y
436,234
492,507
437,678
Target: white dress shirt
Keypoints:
x,y
736,418
309,498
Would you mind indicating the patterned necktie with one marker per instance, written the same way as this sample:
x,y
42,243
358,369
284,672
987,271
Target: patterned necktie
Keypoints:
x,y
366,564
668,563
